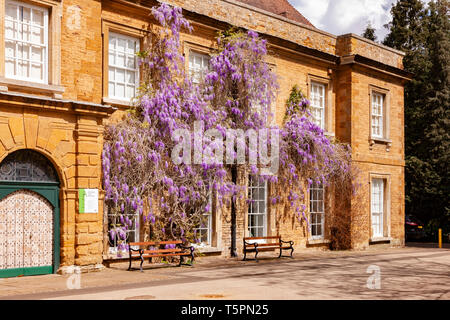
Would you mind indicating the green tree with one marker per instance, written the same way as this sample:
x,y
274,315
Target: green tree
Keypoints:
x,y
423,33
369,33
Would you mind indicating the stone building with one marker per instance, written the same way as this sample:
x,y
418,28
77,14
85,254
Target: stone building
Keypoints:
x,y
67,68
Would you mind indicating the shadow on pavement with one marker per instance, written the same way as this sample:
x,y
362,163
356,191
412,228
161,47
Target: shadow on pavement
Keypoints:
x,y
426,245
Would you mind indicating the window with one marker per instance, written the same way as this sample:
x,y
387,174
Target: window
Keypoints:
x,y
204,231
27,165
123,71
378,115
26,42
379,100
198,66
257,208
377,208
317,210
132,233
318,103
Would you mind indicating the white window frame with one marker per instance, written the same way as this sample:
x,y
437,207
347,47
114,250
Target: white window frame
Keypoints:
x,y
45,60
377,207
252,187
126,69
317,209
207,227
316,106
203,70
113,242
378,114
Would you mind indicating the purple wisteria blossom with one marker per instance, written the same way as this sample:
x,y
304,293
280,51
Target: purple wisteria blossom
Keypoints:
x,y
238,92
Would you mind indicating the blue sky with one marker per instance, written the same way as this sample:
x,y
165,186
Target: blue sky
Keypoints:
x,y
346,16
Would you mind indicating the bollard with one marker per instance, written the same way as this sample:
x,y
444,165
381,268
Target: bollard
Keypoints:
x,y
440,238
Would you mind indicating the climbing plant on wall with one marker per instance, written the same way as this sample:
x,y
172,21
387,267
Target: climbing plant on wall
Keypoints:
x,y
237,93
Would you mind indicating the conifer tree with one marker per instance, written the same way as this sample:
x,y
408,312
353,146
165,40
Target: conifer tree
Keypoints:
x,y
369,33
423,33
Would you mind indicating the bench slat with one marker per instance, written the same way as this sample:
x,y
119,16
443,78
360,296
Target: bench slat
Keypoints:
x,y
166,255
151,253
264,245
263,238
163,251
154,243
267,249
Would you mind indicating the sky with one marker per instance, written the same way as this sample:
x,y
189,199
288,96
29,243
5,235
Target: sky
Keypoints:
x,y
347,16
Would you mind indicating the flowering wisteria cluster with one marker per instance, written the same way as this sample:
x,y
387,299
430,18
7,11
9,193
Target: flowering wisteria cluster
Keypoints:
x,y
308,156
238,92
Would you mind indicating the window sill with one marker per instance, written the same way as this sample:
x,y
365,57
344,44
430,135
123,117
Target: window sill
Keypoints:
x,y
330,134
117,102
318,241
7,84
376,140
113,256
207,249
380,240
380,140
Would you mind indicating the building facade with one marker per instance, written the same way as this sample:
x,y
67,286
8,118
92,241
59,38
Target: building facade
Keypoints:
x,y
67,69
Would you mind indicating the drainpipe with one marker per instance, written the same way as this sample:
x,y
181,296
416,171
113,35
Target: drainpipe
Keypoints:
x,y
233,214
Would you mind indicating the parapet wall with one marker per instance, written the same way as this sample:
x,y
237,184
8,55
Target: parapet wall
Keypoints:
x,y
243,15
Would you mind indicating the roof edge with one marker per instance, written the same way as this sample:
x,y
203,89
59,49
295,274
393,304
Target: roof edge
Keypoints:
x,y
382,46
276,16
373,64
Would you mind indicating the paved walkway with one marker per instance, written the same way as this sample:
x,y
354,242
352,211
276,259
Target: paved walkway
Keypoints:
x,y
405,273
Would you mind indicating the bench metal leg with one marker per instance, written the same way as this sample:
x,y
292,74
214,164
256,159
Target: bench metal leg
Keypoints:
x,y
142,261
245,256
281,253
129,266
292,252
256,254
192,256
181,261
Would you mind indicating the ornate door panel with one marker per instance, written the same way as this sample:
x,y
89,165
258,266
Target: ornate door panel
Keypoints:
x,y
26,231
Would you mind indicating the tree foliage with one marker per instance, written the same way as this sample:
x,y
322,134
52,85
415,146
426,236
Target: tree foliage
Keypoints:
x,y
369,33
423,33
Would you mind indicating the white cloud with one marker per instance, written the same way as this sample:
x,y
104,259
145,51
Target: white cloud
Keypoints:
x,y
312,10
347,16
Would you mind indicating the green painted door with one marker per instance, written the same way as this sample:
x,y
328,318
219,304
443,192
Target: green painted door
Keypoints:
x,y
29,215
29,229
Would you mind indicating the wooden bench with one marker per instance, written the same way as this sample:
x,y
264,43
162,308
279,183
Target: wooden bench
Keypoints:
x,y
275,244
158,249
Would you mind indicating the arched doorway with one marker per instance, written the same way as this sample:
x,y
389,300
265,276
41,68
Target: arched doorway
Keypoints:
x,y
29,215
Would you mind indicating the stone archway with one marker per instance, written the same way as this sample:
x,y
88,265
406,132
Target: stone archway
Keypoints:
x,y
29,215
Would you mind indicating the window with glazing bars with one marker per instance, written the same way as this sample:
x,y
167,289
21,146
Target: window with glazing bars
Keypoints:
x,y
317,210
26,42
378,115
123,72
132,233
377,207
204,231
318,104
198,66
257,207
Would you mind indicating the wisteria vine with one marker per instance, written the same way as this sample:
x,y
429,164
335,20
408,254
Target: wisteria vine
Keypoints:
x,y
238,92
